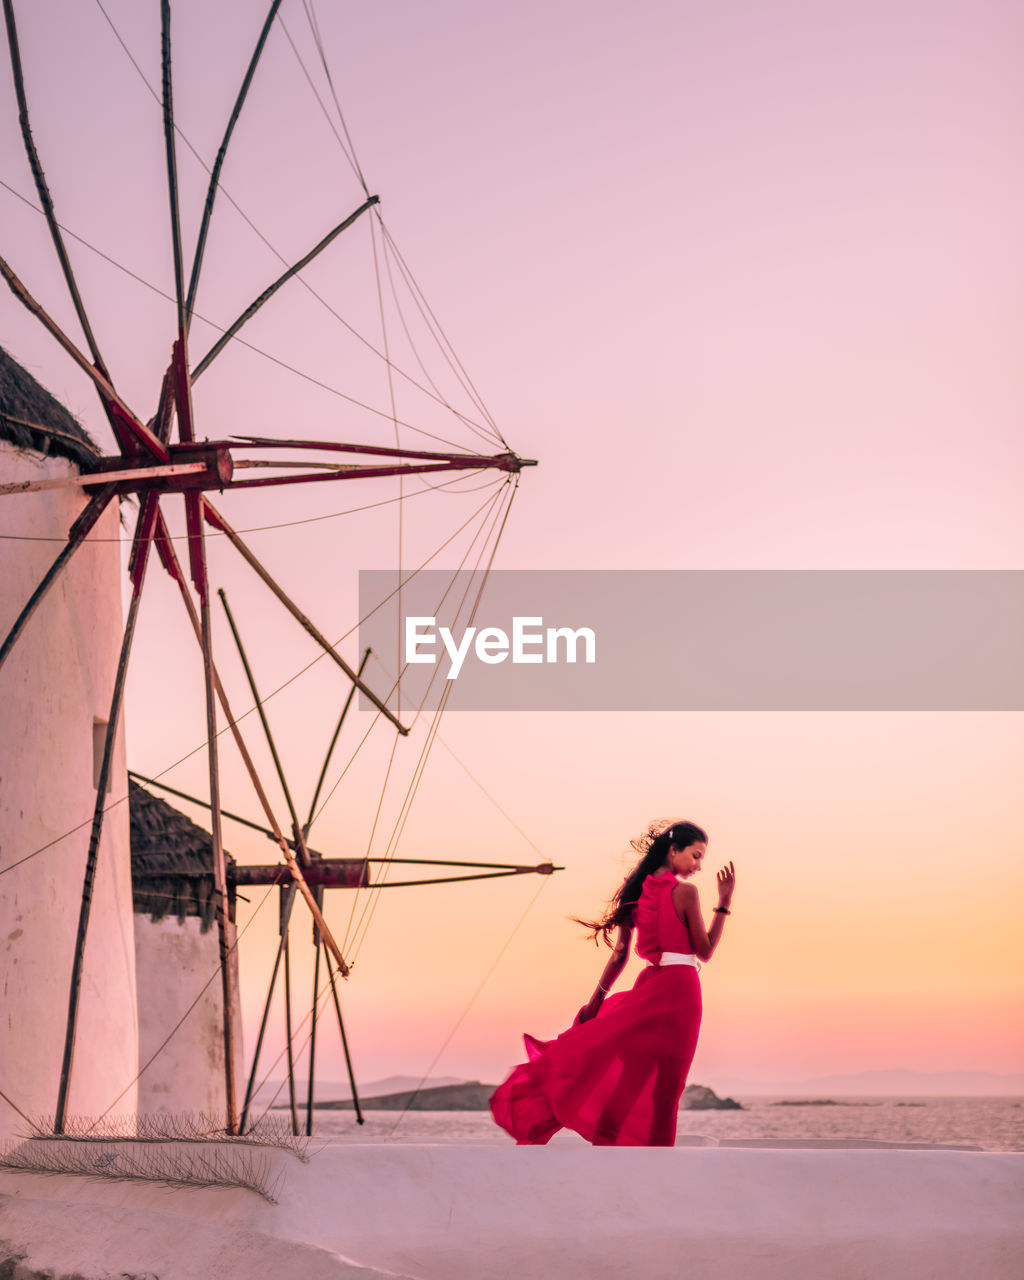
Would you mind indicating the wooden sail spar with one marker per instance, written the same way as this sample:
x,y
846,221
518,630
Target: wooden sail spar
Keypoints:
x,y
154,467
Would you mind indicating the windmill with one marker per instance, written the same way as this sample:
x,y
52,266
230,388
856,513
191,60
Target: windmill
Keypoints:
x,y
158,459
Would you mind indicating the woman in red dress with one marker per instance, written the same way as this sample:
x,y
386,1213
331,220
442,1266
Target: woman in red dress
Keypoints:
x,y
617,1074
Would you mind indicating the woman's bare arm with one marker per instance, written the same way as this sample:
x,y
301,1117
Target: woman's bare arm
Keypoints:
x,y
616,964
687,904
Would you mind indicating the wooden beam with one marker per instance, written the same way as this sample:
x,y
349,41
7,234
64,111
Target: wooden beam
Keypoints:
x,y
352,471
143,540
503,461
269,292
344,1040
288,1035
286,790
283,931
311,1071
126,425
94,478
218,164
245,463
198,556
76,536
166,550
331,746
220,524
332,871
490,875
167,101
326,873
43,191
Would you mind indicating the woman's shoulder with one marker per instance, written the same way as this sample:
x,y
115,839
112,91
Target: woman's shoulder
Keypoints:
x,y
655,888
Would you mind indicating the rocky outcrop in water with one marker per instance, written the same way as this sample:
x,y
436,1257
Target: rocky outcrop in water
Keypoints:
x,y
698,1097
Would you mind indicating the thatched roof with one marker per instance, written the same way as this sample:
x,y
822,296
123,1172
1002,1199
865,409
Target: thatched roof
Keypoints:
x,y
32,419
172,862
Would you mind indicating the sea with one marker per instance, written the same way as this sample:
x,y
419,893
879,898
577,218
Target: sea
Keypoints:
x,y
973,1123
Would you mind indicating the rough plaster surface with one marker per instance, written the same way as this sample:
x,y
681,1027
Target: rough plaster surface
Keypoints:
x,y
56,682
172,962
144,1244
445,1212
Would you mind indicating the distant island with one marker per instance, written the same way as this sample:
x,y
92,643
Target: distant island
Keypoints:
x,y
813,1102
890,1082
471,1095
698,1097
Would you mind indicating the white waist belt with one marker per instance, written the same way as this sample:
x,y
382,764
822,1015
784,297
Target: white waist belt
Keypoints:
x,y
675,957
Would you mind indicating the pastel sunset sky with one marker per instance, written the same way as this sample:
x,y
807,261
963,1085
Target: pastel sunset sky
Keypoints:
x,y
746,279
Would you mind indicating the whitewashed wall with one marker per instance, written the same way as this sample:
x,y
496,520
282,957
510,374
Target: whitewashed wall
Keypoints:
x,y
465,1212
173,963
55,684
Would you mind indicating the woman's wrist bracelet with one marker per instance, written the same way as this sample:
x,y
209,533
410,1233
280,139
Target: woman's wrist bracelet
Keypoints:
x,y
723,911
600,988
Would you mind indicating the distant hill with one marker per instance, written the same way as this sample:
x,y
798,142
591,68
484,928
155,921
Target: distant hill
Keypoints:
x,y
887,1082
471,1095
332,1090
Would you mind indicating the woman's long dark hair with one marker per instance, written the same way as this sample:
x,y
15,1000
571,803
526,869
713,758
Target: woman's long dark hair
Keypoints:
x,y
653,847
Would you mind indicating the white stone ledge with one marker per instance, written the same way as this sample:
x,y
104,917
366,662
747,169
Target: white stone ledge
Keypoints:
x,y
443,1212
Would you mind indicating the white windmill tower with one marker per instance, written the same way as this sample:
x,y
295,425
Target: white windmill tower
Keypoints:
x,y
85,1032
56,696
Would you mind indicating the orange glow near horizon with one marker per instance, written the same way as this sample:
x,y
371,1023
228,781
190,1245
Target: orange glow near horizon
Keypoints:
x,y
852,946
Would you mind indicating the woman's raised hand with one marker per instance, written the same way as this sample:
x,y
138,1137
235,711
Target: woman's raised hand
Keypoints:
x,y
726,885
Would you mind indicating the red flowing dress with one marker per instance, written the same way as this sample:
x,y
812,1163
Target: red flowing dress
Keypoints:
x,y
616,1079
